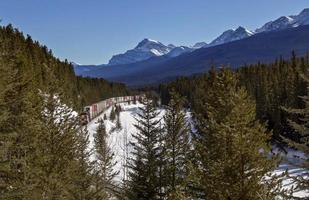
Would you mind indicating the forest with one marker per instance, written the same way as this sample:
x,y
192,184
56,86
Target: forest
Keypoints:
x,y
222,153
273,86
35,63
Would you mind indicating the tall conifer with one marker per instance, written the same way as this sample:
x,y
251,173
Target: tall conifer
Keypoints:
x,y
300,123
232,146
176,141
105,172
143,180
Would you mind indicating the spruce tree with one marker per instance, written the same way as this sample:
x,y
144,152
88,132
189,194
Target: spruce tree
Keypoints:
x,y
12,97
112,115
300,122
144,180
176,146
81,170
105,173
231,145
54,150
118,123
20,108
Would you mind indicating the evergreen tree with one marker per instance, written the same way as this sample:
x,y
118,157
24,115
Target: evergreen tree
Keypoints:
x,y
118,123
12,99
176,143
300,122
231,144
54,150
143,180
81,170
112,115
105,174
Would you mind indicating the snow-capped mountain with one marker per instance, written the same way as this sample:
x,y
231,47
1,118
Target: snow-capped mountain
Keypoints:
x,y
150,48
179,50
199,45
146,49
286,22
231,35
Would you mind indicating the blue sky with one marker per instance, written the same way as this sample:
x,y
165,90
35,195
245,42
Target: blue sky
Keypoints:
x,y
91,31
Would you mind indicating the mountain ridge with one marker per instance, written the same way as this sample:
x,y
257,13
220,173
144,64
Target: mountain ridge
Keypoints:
x,y
246,51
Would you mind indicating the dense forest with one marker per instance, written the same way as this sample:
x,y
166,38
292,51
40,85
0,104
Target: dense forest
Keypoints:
x,y
37,63
273,86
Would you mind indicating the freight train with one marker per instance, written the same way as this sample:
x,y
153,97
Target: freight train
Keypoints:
x,y
94,110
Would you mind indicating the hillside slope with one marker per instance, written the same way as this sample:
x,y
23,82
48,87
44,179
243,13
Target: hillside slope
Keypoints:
x,y
36,63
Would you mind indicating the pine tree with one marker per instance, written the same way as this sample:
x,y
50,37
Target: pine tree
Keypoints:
x,y
118,123
81,170
112,115
143,180
231,144
300,122
54,150
105,172
12,93
20,106
176,146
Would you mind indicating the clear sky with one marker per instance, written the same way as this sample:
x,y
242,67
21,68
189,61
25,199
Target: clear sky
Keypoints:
x,y
91,31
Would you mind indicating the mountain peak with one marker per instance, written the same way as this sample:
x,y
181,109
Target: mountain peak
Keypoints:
x,y
243,30
284,22
240,28
146,41
304,12
199,45
145,49
231,35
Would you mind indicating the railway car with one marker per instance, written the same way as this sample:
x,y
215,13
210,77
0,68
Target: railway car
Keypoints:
x,y
94,110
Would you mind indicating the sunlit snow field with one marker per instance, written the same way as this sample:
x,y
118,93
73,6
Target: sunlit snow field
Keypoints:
x,y
119,143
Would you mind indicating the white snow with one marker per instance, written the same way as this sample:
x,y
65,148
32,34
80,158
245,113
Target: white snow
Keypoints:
x,y
145,49
119,139
286,22
119,143
231,35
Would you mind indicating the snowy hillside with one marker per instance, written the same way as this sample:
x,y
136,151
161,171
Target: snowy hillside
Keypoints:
x,y
119,139
119,143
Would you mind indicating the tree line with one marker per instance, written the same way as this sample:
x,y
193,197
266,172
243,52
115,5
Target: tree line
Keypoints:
x,y
37,63
44,152
273,86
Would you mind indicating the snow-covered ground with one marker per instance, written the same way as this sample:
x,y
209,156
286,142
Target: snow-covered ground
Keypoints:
x,y
119,143
290,162
119,139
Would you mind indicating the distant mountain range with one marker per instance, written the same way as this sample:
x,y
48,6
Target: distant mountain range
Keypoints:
x,y
156,62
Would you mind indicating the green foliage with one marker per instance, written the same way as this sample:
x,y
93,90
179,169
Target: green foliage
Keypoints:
x,y
32,58
105,173
143,180
43,151
299,121
176,147
272,85
231,145
81,170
